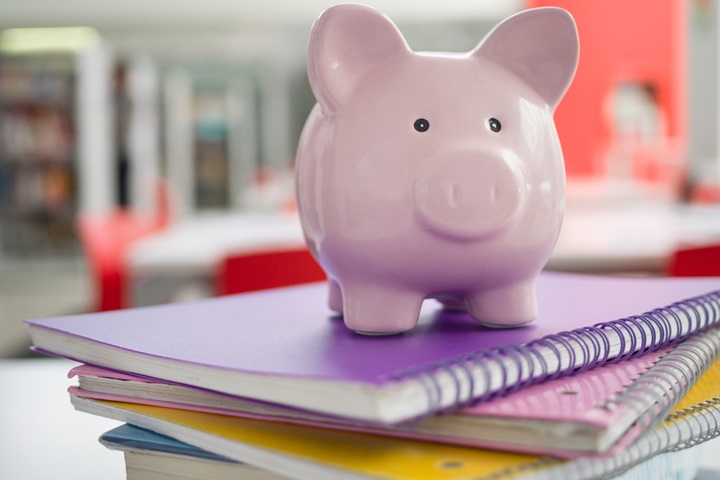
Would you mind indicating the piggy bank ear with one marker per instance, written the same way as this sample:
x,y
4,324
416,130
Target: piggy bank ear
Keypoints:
x,y
540,46
348,42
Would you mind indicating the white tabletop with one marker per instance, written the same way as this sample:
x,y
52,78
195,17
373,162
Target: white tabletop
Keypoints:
x,y
41,434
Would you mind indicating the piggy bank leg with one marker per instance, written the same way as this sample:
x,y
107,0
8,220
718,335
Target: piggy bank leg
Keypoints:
x,y
505,307
373,309
335,297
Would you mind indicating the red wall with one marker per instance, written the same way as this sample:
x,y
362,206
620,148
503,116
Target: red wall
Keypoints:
x,y
638,40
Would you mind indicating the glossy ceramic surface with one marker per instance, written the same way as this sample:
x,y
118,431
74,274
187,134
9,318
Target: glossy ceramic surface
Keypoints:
x,y
433,174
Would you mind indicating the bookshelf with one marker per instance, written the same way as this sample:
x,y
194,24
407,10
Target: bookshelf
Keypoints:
x,y
211,136
55,142
38,146
212,166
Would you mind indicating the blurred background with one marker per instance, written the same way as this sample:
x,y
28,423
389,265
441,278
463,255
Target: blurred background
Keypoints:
x,y
146,148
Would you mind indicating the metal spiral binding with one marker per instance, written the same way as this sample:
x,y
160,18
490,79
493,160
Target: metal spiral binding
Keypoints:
x,y
708,412
656,392
674,374
460,381
684,429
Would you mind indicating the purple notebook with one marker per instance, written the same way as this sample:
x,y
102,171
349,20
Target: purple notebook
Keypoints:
x,y
284,346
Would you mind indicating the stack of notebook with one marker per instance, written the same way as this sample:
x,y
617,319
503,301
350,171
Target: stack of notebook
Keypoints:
x,y
614,373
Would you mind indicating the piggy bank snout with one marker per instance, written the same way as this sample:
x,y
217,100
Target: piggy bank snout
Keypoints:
x,y
469,194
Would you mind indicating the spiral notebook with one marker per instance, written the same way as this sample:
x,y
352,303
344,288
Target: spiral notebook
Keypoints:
x,y
306,452
150,455
283,346
597,411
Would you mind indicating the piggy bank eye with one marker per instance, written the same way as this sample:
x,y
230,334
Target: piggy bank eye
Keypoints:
x,y
421,125
494,125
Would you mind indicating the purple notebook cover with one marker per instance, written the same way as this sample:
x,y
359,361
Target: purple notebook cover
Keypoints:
x,y
291,332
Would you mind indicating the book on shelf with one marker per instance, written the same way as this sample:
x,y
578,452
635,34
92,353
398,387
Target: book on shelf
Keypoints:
x,y
284,346
601,410
38,154
151,456
300,451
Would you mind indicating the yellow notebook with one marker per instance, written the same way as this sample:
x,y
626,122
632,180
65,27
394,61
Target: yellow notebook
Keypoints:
x,y
307,452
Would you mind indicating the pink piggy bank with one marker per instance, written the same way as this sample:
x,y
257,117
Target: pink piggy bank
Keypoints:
x,y
433,175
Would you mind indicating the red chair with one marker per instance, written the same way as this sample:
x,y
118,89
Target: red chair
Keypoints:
x,y
246,272
702,261
105,239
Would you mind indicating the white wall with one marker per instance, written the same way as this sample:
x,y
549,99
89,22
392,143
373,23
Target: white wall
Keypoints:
x,y
230,14
703,95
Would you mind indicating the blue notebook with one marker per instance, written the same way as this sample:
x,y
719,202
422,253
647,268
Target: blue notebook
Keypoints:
x,y
131,438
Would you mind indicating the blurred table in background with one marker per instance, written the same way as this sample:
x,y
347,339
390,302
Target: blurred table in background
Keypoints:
x,y
181,262
631,237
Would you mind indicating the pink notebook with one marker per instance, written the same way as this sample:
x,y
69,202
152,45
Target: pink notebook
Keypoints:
x,y
598,411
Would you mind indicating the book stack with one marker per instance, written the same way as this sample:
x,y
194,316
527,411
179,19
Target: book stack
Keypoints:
x,y
616,376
